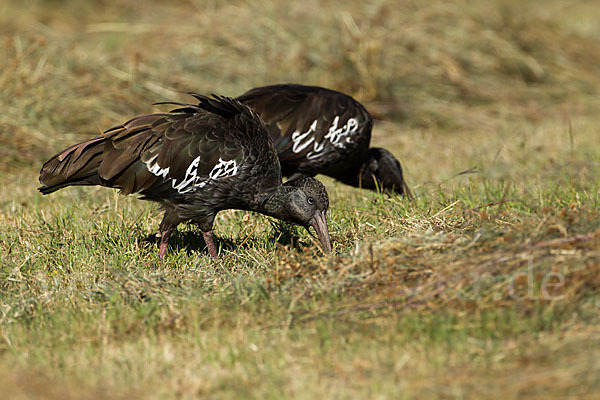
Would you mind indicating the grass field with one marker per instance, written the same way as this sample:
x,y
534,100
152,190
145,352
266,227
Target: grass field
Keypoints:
x,y
486,285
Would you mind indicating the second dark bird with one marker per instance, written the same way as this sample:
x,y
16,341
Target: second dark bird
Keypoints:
x,y
322,131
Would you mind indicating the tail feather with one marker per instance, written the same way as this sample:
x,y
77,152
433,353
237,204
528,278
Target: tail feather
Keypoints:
x,y
77,165
84,181
109,160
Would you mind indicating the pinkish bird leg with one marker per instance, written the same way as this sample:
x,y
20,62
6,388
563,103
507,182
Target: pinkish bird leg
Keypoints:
x,y
208,239
164,242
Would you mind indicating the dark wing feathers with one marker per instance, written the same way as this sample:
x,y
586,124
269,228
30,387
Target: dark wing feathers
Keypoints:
x,y
296,107
289,109
168,143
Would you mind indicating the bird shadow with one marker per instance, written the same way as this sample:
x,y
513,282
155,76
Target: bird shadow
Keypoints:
x,y
287,234
191,241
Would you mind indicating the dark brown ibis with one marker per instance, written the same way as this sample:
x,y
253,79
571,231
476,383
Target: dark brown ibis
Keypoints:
x,y
322,131
195,160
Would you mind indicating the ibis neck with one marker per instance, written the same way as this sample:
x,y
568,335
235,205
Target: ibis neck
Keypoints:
x,y
274,202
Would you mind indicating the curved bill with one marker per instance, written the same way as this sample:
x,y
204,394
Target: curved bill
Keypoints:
x,y
319,222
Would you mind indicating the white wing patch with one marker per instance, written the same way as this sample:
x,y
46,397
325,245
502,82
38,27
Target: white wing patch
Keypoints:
x,y
191,179
224,169
298,137
155,168
338,137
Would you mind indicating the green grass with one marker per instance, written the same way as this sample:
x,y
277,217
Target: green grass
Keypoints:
x,y
486,285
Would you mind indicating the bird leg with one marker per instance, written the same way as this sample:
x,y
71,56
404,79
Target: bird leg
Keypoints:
x,y
164,241
167,226
208,239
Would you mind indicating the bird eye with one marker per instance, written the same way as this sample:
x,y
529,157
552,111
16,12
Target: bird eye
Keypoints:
x,y
311,200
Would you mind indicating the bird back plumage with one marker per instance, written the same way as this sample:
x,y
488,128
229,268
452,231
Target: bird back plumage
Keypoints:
x,y
166,155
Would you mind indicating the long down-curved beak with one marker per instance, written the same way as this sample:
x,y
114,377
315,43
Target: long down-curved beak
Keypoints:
x,y
319,222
